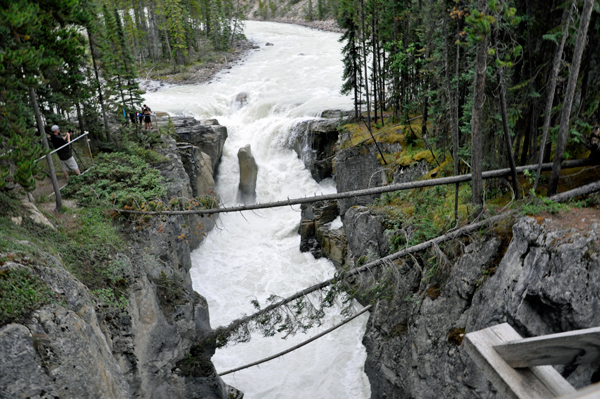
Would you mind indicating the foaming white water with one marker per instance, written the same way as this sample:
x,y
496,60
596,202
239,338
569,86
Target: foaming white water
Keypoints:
x,y
254,255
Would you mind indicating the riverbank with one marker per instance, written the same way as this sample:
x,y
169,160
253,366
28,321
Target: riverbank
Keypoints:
x,y
329,25
203,71
197,72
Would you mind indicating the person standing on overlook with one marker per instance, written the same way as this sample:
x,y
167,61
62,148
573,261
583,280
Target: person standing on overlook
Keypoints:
x,y
147,117
65,155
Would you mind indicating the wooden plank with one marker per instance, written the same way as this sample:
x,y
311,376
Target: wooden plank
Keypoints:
x,y
591,392
573,347
539,382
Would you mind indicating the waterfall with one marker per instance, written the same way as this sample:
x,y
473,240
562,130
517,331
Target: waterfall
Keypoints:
x,y
253,255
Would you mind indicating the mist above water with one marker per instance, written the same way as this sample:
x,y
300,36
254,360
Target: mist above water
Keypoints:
x,y
254,255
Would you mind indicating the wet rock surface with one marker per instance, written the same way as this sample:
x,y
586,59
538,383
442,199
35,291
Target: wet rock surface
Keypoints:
x,y
248,175
315,142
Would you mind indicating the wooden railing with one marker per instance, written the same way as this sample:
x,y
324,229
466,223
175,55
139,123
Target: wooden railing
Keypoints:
x,y
522,368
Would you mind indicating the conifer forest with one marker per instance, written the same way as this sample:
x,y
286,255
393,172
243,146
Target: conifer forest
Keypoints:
x,y
495,83
82,57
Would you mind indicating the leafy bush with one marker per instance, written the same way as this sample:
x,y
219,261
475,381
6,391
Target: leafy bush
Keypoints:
x,y
119,178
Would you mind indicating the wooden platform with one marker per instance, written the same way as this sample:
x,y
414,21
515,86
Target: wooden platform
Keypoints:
x,y
521,368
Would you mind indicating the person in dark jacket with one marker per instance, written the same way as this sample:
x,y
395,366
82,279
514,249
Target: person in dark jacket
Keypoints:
x,y
147,117
65,154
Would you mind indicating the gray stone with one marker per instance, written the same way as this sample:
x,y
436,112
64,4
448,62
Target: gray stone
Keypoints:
x,y
357,168
240,100
314,141
248,175
314,217
208,135
22,372
198,166
547,281
365,233
340,115
33,213
410,173
333,244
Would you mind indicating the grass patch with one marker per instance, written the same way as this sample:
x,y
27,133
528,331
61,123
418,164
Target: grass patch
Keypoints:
x,y
422,214
21,293
413,148
89,251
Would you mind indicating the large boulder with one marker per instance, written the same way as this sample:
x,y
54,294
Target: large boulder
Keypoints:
x,y
248,175
208,135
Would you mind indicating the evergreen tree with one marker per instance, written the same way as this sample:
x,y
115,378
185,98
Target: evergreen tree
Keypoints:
x,y
352,67
35,40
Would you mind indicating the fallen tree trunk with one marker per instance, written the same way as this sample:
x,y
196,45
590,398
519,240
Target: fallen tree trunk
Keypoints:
x,y
492,174
576,192
300,345
224,332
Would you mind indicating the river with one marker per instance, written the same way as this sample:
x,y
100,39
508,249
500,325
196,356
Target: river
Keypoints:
x,y
254,255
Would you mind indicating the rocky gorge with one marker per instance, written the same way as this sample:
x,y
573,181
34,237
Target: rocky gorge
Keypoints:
x,y
72,349
540,274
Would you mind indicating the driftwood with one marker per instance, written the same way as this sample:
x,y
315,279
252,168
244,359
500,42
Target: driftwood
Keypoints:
x,y
370,191
420,247
300,345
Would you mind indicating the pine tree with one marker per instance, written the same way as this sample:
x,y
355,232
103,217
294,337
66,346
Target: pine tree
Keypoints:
x,y
351,52
33,40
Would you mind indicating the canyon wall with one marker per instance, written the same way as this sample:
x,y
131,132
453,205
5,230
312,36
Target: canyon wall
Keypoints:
x,y
69,350
540,274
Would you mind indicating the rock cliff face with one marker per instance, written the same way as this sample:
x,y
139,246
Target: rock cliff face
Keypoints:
x,y
68,350
315,142
542,277
355,169
206,134
546,282
62,352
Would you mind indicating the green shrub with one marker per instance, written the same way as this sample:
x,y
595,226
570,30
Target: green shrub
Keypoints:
x,y
118,178
107,302
21,293
8,202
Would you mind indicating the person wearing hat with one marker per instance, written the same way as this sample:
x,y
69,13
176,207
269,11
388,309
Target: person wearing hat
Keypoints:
x,y
65,155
